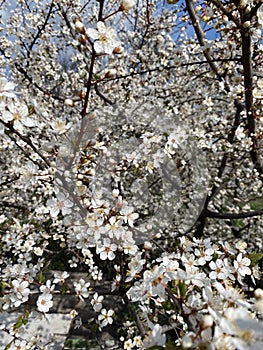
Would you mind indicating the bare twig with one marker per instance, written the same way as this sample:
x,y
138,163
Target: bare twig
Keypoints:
x,y
241,215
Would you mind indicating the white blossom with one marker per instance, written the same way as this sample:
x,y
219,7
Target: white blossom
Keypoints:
x,y
105,38
156,337
81,289
6,89
106,249
105,317
61,203
96,302
44,302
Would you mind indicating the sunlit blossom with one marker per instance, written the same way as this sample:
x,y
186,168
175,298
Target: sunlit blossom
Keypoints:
x,y
105,38
17,113
44,302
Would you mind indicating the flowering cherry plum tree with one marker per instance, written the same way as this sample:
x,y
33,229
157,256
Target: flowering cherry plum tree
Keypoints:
x,y
131,134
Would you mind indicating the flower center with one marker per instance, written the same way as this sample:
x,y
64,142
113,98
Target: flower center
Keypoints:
x,y
103,37
17,116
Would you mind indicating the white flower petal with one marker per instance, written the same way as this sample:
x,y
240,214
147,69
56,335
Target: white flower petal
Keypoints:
x,y
93,33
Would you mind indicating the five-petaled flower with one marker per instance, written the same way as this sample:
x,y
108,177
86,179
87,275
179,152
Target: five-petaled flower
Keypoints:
x,y
105,317
106,250
60,204
105,38
81,289
241,264
17,113
44,302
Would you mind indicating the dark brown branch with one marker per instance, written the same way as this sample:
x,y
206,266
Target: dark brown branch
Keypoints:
x,y
135,316
242,215
9,181
201,38
41,28
91,67
100,16
28,141
248,83
103,97
157,69
40,88
200,225
254,9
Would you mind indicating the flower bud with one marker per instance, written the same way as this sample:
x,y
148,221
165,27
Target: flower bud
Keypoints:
x,y
79,27
147,245
82,95
206,322
246,24
111,73
82,39
258,294
118,50
126,5
206,18
69,102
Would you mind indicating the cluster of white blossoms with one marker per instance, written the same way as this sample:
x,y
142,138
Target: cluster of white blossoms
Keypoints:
x,y
199,281
12,110
127,140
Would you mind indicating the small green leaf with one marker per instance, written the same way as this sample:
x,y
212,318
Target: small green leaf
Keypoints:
x,y
40,277
3,286
255,258
25,317
183,288
8,346
64,289
167,305
19,322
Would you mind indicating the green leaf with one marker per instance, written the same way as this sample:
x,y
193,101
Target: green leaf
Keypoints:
x,y
19,322
40,277
3,286
156,347
167,305
8,346
64,289
255,258
183,288
25,317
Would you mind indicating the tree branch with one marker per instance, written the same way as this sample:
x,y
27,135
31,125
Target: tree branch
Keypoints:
x,y
248,84
242,215
201,38
103,97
